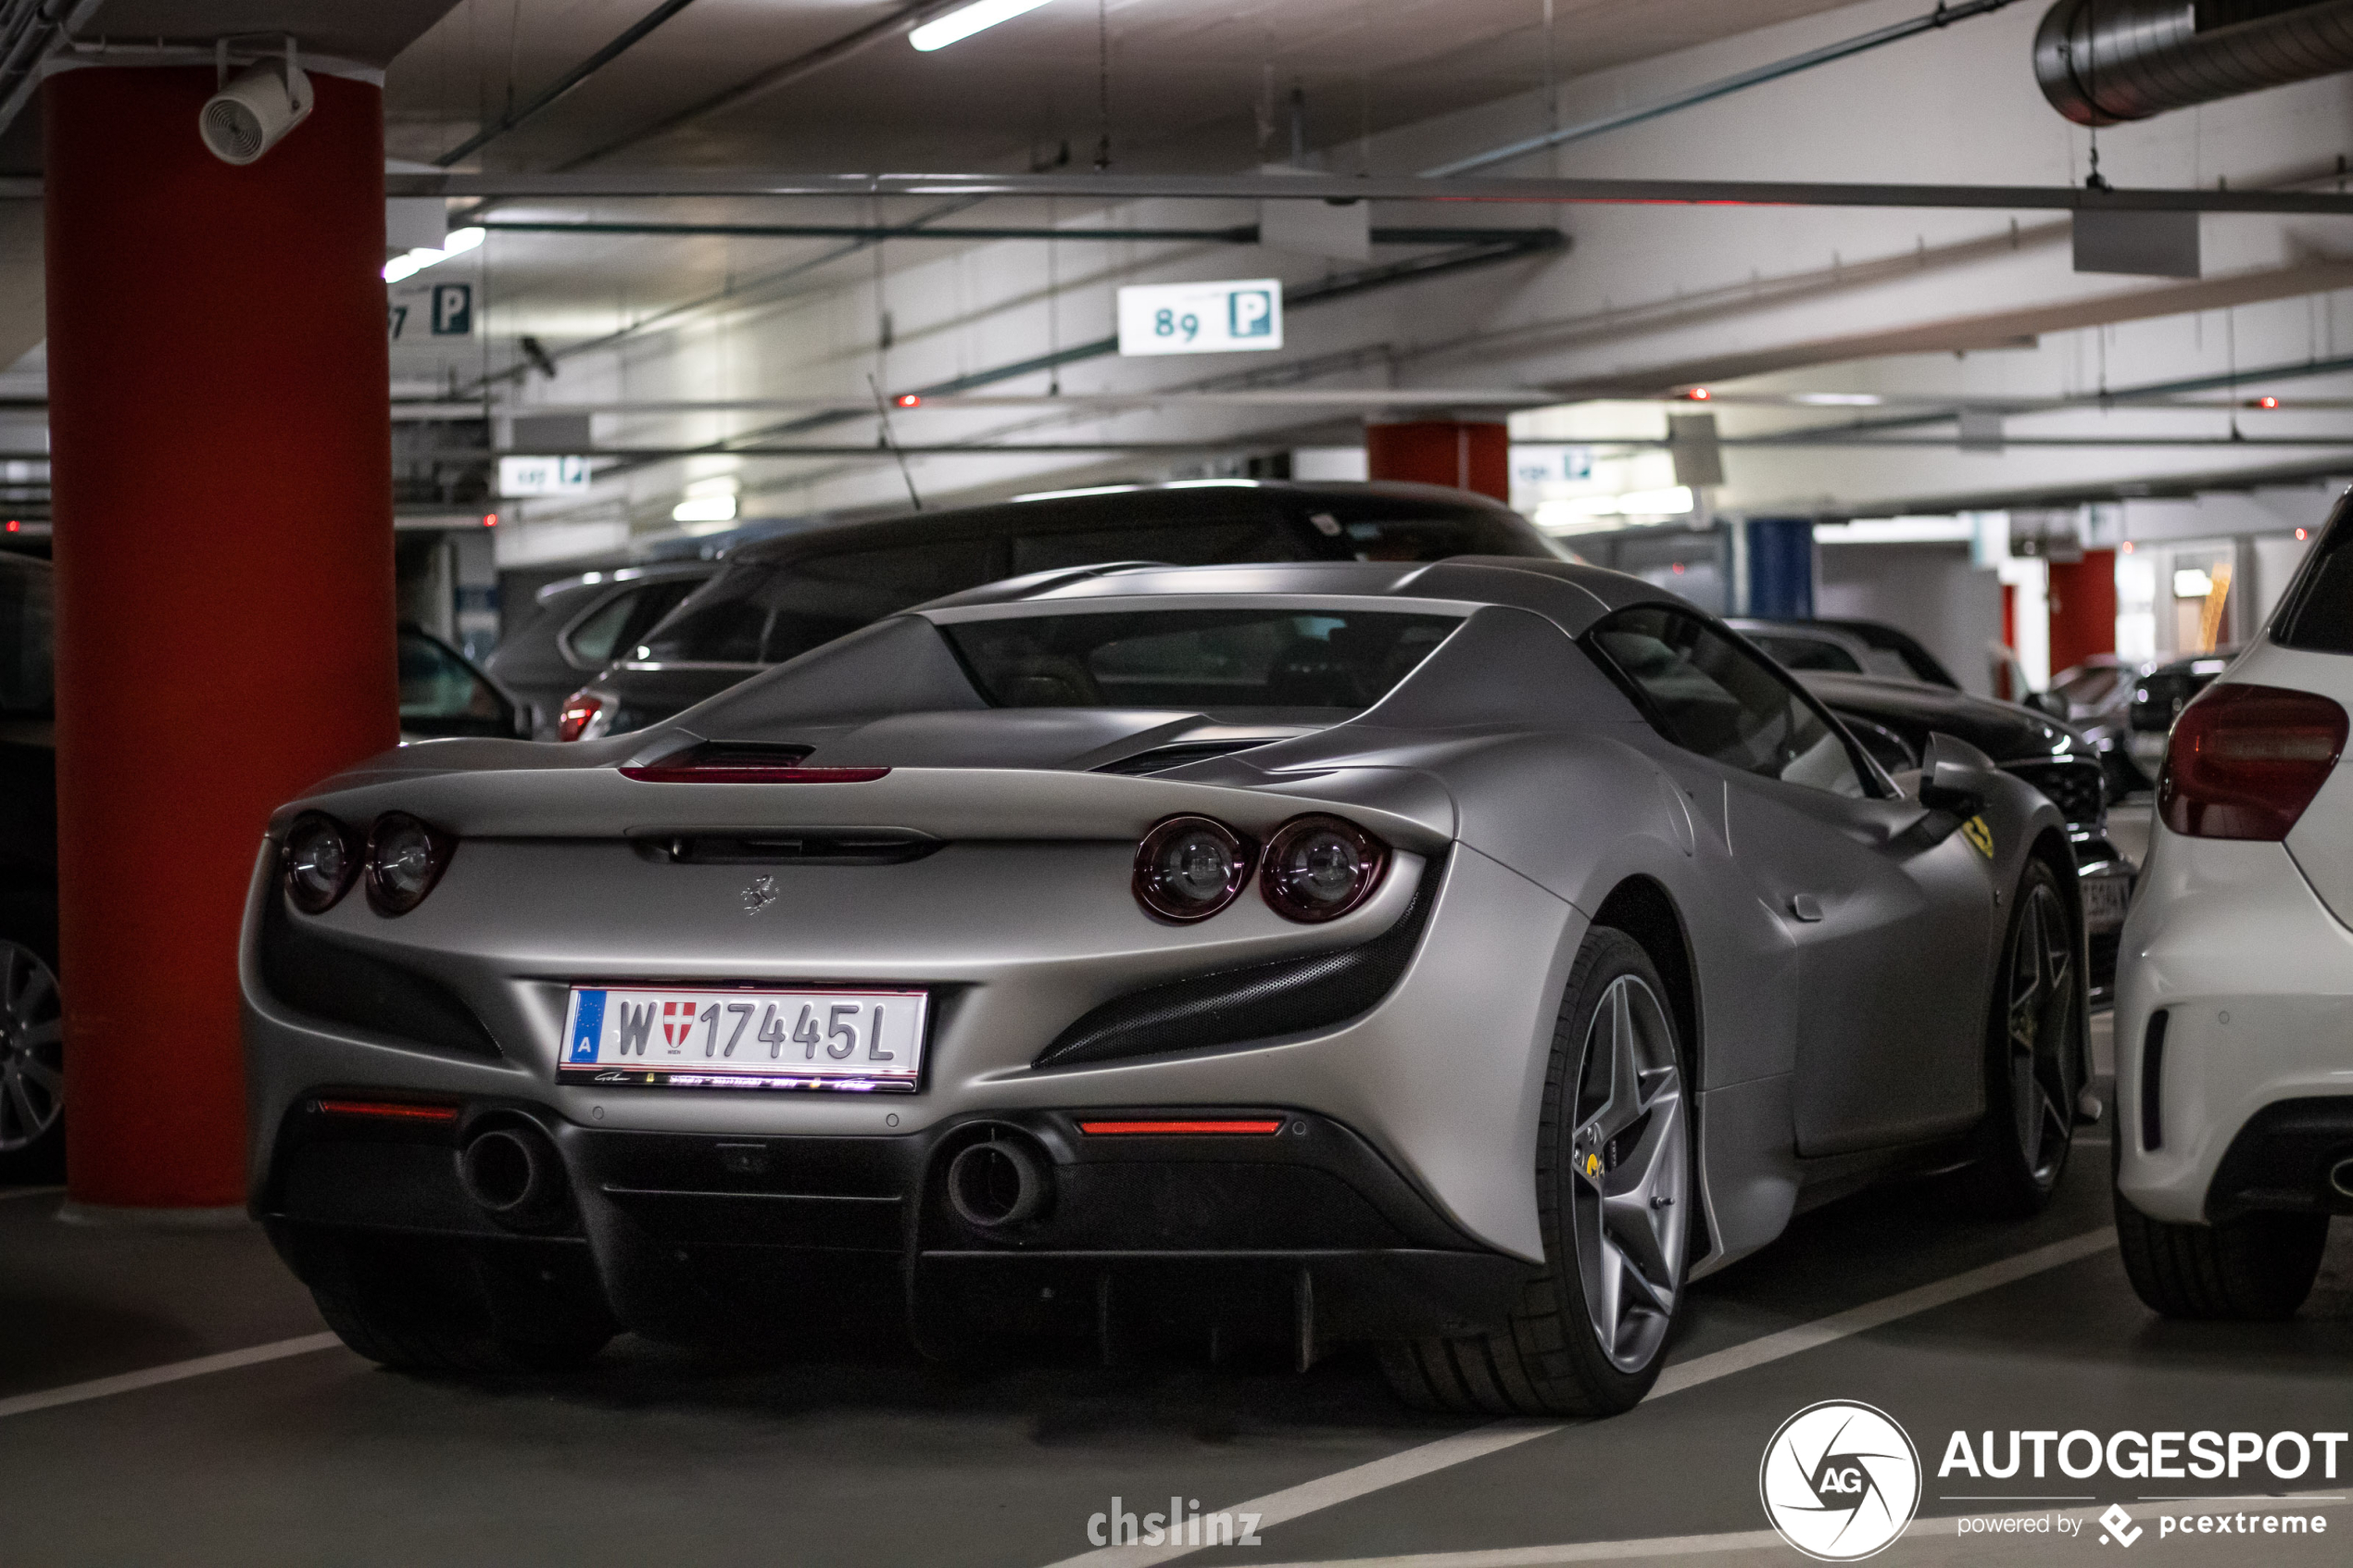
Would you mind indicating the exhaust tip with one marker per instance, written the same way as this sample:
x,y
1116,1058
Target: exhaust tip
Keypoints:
x,y
510,1171
2341,1177
1002,1182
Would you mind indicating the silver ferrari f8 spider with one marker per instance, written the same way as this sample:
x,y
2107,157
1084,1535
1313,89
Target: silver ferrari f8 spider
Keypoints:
x,y
1457,957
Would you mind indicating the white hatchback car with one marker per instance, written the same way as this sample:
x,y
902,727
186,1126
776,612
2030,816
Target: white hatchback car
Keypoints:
x,y
2234,986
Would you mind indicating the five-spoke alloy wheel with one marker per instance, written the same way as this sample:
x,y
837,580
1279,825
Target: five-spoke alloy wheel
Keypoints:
x,y
2035,1052
33,1081
1615,1191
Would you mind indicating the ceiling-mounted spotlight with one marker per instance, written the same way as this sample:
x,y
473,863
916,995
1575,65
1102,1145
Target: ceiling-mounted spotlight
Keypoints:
x,y
254,110
966,20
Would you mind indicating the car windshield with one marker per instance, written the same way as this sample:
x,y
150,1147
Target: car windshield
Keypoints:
x,y
28,635
1211,661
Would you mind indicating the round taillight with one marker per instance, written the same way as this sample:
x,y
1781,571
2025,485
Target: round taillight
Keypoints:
x,y
321,863
1319,868
1188,868
585,716
405,858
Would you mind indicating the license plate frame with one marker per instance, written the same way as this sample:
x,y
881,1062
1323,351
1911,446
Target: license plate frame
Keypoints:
x,y
640,1035
2106,900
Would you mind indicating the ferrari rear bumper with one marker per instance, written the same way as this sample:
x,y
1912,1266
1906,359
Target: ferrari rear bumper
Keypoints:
x,y
1264,1223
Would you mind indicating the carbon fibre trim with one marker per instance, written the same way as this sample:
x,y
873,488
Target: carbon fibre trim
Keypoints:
x,y
1237,1006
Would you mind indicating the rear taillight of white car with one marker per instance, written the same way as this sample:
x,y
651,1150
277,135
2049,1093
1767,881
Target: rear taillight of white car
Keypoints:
x,y
2245,761
585,716
1188,868
1319,868
1313,869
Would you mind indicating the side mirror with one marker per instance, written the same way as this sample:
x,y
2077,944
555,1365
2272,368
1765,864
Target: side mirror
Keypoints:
x,y
1955,776
2048,703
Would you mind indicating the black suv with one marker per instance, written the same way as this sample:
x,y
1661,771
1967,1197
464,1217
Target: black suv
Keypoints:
x,y
781,597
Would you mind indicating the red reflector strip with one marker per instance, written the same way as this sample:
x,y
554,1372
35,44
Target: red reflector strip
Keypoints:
x,y
719,772
386,1110
1178,1129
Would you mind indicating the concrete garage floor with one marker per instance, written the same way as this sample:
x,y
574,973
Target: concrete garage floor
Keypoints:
x,y
660,1456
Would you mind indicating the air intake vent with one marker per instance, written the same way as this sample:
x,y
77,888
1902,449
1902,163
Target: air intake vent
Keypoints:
x,y
1160,758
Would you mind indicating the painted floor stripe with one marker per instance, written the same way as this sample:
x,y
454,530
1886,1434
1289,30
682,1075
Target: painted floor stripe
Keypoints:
x,y
1750,1540
125,1383
1861,1320
29,1192
1293,1502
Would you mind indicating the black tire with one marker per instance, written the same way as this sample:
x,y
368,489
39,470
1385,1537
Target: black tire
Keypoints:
x,y
1552,1359
2034,1054
33,1125
2257,1268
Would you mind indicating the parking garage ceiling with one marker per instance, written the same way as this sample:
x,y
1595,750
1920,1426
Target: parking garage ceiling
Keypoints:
x,y
1192,88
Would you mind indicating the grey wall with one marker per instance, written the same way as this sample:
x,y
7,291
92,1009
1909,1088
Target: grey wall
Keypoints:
x,y
1929,590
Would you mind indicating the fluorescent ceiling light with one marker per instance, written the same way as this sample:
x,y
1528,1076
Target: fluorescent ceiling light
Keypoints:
x,y
459,241
1839,399
972,19
704,508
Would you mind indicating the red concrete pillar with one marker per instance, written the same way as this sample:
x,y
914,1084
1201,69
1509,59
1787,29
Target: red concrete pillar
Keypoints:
x,y
1464,455
2083,608
219,439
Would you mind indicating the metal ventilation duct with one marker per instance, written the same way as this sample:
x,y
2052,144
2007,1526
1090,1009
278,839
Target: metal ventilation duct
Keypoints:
x,y
2102,61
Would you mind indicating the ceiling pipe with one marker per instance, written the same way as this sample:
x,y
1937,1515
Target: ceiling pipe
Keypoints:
x,y
2101,62
1235,234
565,82
1110,187
1943,17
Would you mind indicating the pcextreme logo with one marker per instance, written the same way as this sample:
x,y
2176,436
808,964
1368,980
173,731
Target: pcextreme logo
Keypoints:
x,y
1840,1481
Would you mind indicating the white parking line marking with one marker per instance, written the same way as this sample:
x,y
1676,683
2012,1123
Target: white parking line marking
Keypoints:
x,y
125,1383
1861,1320
1293,1502
1737,1540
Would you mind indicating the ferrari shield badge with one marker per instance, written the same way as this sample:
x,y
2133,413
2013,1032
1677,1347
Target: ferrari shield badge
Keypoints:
x,y
1980,835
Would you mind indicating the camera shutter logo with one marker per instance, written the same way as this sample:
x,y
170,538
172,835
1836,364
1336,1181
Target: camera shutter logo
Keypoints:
x,y
1840,1481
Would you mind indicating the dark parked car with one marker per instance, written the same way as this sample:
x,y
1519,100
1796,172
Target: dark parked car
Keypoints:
x,y
1894,719
2163,691
441,694
582,624
1846,647
32,1013
781,597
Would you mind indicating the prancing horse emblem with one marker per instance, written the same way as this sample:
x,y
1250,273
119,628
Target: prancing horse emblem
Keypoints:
x,y
760,895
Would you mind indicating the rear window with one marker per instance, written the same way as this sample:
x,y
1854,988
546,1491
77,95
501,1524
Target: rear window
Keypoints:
x,y
1199,544
765,615
1471,532
1212,661
28,638
2318,616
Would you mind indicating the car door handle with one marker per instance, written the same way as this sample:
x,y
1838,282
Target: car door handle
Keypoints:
x,y
1805,907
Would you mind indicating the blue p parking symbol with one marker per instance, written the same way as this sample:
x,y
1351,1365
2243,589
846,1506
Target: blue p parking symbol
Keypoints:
x,y
1249,313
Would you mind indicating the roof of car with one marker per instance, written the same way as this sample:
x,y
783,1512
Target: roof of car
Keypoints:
x,y
652,572
1571,595
1344,500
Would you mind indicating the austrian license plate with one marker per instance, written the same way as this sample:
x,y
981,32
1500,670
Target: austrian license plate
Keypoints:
x,y
859,1041
2104,901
